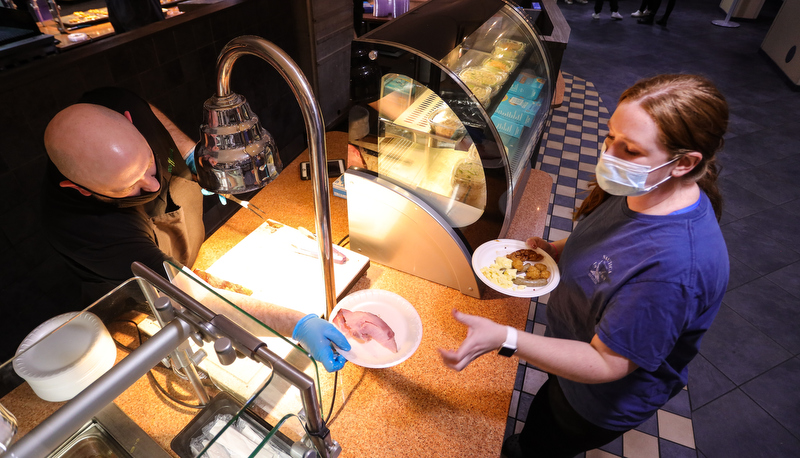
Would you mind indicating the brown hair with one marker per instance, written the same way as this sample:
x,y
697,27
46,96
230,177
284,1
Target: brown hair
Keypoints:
x,y
691,115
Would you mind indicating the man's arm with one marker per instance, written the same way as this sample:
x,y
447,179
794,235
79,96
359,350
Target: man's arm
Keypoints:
x,y
182,141
281,319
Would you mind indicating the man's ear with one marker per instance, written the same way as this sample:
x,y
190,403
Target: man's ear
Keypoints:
x,y
69,184
687,163
128,115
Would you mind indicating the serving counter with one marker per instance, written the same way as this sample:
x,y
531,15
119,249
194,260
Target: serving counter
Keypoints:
x,y
419,407
416,408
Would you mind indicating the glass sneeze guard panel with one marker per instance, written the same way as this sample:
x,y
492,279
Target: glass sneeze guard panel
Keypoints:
x,y
157,415
267,395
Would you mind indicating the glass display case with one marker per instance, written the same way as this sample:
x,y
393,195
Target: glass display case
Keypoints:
x,y
195,402
452,98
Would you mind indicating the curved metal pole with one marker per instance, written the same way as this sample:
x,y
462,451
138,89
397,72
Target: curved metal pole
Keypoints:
x,y
315,131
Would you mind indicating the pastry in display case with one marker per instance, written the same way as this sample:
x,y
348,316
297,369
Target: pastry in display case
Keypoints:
x,y
463,95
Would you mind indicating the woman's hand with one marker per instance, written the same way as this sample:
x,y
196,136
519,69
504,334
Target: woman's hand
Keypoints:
x,y
483,336
549,248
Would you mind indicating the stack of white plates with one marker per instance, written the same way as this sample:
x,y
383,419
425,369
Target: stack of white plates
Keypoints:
x,y
64,355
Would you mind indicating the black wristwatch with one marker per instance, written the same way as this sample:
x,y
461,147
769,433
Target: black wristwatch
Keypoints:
x,y
510,345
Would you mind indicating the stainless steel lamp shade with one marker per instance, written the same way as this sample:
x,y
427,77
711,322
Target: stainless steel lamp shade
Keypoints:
x,y
236,154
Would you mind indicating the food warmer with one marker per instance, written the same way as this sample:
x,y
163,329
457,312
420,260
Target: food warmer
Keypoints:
x,y
450,101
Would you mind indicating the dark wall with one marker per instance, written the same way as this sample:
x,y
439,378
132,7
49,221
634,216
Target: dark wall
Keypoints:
x,y
172,65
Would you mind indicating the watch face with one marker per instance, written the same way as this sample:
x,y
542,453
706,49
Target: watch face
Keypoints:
x,y
507,351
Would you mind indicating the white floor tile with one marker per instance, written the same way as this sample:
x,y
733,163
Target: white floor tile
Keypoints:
x,y
636,444
675,428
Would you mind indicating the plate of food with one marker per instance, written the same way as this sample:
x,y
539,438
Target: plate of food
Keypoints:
x,y
515,269
382,327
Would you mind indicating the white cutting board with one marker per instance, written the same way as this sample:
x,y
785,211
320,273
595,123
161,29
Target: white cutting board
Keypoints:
x,y
266,263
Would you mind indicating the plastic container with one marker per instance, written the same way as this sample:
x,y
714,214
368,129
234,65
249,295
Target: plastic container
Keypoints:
x,y
510,45
444,123
483,77
482,93
496,63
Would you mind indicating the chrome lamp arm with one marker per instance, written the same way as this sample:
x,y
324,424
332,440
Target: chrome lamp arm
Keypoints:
x,y
315,132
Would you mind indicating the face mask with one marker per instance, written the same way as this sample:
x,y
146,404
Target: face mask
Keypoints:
x,y
619,177
134,201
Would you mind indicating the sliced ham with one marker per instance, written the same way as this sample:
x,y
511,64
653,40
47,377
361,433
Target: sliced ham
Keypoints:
x,y
365,326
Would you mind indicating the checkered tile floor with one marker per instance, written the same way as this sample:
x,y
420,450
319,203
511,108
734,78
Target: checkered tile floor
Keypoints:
x,y
570,146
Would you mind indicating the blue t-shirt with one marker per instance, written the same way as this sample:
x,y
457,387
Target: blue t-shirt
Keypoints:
x,y
649,286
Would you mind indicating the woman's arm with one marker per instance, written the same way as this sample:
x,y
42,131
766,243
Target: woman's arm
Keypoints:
x,y
579,361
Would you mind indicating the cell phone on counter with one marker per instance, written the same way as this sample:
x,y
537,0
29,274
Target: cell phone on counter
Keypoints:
x,y
335,168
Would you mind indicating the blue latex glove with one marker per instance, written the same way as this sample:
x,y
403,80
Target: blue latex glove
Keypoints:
x,y
190,161
316,336
222,198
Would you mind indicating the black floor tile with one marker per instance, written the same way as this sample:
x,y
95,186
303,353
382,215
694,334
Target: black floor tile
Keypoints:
x,y
770,309
788,279
679,405
706,382
738,349
748,245
739,125
740,202
669,449
729,164
650,426
753,434
775,181
760,147
614,447
778,225
777,392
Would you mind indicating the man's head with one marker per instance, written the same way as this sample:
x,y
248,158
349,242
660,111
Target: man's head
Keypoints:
x,y
100,151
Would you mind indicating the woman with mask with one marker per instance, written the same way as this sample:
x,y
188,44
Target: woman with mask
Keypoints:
x,y
642,275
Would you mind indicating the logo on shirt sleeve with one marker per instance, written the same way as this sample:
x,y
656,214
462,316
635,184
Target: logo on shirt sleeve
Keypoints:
x,y
601,270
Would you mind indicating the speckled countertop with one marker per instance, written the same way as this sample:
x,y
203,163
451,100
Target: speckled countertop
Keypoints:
x,y
417,408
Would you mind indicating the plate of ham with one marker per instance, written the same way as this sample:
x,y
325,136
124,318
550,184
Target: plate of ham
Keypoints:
x,y
382,327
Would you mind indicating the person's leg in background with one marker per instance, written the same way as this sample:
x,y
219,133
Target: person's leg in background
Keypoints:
x,y
653,5
642,11
598,6
615,10
663,20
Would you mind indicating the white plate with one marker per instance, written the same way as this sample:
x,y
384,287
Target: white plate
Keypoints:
x,y
397,312
485,255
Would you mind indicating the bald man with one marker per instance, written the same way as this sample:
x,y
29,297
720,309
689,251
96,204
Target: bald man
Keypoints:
x,y
118,190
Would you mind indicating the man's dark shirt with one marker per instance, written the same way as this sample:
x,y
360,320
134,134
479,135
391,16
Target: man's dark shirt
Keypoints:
x,y
99,240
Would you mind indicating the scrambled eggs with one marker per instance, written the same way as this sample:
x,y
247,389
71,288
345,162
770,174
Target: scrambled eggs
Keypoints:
x,y
501,273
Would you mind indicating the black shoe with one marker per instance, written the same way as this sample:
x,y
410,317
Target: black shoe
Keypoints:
x,y
511,448
662,22
646,20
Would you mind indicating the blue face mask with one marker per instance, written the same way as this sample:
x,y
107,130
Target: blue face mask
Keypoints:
x,y
619,177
